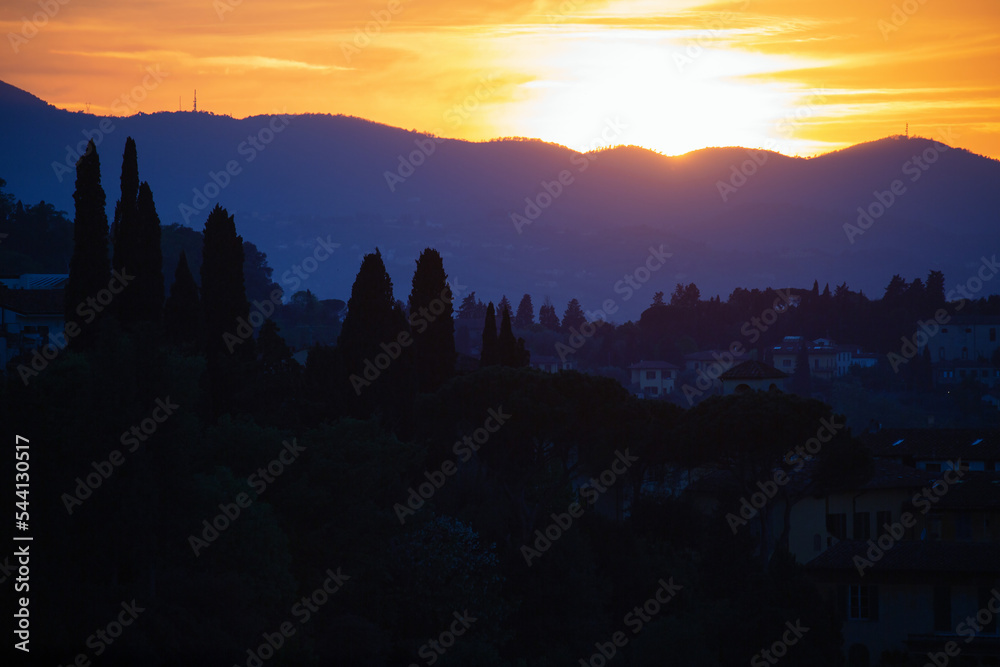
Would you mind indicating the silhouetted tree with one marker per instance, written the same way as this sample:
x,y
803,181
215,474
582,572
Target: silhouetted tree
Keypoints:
x,y
490,353
123,230
90,268
525,316
228,333
512,351
182,316
547,316
272,348
657,300
934,290
370,324
504,305
468,308
573,318
147,295
801,383
431,320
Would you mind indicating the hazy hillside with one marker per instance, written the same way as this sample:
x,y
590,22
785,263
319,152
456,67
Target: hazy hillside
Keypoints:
x,y
325,175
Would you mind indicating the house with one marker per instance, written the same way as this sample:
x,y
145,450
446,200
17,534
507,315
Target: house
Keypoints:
x,y
956,371
752,375
965,338
551,364
653,378
27,318
827,360
936,449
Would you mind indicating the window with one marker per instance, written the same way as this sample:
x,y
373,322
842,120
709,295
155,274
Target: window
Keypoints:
x,y
993,335
965,353
882,519
862,603
968,330
650,375
836,525
932,467
942,609
786,362
941,353
862,525
944,331
815,363
961,373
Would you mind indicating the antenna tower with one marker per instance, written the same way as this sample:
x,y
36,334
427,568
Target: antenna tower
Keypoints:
x,y
196,100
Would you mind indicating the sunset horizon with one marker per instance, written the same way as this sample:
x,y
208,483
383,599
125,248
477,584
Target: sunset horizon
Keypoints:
x,y
691,75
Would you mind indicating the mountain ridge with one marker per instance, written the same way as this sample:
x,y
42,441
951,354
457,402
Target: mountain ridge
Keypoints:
x,y
731,216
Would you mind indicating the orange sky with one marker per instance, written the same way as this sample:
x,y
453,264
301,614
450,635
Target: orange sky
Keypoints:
x,y
795,76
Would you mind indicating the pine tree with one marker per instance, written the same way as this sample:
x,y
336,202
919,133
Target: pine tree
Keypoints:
x,y
468,308
934,290
182,316
433,347
547,316
525,316
490,354
573,318
90,268
504,305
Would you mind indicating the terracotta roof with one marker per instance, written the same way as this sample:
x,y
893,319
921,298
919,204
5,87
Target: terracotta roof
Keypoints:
x,y
913,556
752,370
33,301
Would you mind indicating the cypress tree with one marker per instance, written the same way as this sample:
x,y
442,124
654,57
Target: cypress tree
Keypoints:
x,y
222,288
431,316
90,268
182,317
148,294
511,351
370,324
490,354
123,230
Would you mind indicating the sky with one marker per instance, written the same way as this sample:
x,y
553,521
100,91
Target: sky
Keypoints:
x,y
795,76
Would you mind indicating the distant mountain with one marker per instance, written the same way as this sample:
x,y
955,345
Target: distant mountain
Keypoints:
x,y
322,175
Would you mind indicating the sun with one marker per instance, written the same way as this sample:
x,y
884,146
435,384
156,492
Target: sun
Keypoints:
x,y
647,85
